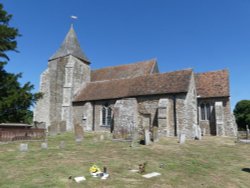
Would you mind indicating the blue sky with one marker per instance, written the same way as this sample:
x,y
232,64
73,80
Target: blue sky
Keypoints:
x,y
205,35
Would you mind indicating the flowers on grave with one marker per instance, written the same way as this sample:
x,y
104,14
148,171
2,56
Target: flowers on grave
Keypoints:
x,y
94,169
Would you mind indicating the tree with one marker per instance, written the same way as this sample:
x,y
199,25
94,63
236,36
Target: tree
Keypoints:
x,y
15,99
242,113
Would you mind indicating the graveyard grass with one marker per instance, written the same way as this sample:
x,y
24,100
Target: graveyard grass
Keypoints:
x,y
211,162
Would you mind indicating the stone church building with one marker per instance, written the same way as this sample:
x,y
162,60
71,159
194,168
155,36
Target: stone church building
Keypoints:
x,y
131,98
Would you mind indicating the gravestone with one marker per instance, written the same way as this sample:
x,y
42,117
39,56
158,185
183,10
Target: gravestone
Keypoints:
x,y
62,126
53,129
23,147
182,138
44,145
147,137
101,137
134,139
195,131
199,137
78,132
62,145
203,131
78,141
155,134
247,129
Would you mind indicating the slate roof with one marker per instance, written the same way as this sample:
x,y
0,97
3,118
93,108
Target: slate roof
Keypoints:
x,y
166,83
125,71
70,46
212,84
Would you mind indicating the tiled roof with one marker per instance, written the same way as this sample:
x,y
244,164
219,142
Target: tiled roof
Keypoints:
x,y
173,82
125,71
212,84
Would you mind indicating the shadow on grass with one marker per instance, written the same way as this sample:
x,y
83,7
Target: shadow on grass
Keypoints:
x,y
246,170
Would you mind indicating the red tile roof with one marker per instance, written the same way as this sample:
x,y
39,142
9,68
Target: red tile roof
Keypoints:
x,y
125,71
173,82
212,84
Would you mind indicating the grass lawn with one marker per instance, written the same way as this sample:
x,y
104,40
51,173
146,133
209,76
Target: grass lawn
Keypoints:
x,y
211,162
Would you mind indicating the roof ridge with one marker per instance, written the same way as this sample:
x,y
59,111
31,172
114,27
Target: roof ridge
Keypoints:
x,y
147,75
226,69
134,63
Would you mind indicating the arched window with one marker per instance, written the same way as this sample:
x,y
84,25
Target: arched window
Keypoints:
x,y
205,110
208,111
106,116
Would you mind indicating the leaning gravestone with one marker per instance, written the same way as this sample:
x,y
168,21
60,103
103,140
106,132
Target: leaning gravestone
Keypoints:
x,y
182,138
44,145
147,137
23,147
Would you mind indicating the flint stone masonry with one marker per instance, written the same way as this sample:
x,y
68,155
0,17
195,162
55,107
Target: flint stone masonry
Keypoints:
x,y
75,96
125,118
219,114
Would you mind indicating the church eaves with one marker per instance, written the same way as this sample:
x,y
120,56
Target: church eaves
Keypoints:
x,y
70,46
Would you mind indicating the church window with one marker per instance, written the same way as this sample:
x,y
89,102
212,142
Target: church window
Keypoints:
x,y
205,111
106,115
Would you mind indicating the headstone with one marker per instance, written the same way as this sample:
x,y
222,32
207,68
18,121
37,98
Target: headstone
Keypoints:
x,y
155,134
147,137
195,131
23,147
62,145
182,138
78,140
247,130
53,129
199,137
101,137
134,138
44,145
78,131
62,126
203,131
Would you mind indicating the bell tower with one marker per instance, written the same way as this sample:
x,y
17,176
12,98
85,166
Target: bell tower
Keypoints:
x,y
67,70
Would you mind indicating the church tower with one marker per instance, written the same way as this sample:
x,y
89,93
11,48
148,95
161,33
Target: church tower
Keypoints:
x,y
67,70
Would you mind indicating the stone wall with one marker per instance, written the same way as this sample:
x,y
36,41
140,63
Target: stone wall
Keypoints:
x,y
125,118
190,109
41,112
229,128
61,81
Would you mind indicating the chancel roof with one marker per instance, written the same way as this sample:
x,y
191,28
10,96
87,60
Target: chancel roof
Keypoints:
x,y
125,71
212,84
70,46
153,84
